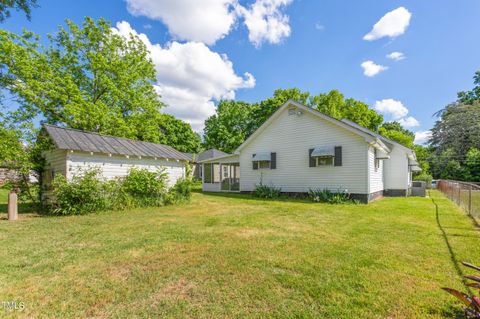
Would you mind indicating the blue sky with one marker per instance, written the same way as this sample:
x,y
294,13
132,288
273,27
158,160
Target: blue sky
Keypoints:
x,y
246,50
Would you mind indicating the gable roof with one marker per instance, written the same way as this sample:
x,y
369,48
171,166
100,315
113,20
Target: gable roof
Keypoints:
x,y
383,138
369,136
208,154
77,140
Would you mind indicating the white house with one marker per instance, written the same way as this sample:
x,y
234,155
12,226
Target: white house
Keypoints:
x,y
299,148
75,151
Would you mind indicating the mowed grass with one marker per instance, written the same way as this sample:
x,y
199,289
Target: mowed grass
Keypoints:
x,y
232,256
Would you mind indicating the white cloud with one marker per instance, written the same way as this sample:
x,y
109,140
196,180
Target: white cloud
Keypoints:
x,y
396,56
319,26
208,21
190,77
409,122
204,21
392,24
422,137
391,107
265,21
370,68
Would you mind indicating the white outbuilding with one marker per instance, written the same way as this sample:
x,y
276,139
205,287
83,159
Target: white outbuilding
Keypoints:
x,y
75,151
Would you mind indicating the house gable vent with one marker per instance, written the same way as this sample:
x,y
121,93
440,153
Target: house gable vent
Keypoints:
x,y
295,111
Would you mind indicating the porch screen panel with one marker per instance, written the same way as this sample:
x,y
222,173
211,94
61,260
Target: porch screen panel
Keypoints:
x,y
236,177
216,173
207,178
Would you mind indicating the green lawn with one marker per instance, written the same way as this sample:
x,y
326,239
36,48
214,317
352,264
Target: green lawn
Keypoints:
x,y
234,256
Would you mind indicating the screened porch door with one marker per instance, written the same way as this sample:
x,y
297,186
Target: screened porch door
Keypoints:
x,y
230,177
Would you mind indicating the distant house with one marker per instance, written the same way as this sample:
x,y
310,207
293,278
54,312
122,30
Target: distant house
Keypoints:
x,y
299,148
205,155
75,151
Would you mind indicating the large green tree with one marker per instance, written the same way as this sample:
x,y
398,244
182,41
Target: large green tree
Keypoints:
x,y
178,133
395,132
457,129
86,77
230,126
455,141
19,5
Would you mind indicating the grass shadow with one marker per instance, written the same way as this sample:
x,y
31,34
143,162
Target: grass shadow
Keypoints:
x,y
453,257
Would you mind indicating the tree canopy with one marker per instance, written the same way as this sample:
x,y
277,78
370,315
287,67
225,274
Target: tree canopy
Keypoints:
x,y
395,132
19,5
455,141
235,121
11,146
88,77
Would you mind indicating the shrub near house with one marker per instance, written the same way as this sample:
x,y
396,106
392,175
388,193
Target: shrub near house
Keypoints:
x,y
89,193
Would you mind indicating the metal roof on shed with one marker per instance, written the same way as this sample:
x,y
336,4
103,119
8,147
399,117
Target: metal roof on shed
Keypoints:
x,y
77,140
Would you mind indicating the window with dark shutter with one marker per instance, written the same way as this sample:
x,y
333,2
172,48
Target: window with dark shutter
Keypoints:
x,y
312,160
273,161
254,163
338,156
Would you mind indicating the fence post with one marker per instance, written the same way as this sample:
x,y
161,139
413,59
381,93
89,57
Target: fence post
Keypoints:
x,y
459,194
470,199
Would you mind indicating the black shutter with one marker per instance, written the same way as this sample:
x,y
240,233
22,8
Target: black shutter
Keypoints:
x,y
273,160
255,163
312,160
338,156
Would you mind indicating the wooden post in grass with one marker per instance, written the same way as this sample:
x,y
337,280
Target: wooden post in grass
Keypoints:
x,y
12,206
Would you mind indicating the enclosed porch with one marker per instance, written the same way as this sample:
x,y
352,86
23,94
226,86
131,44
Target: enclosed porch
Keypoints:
x,y
221,174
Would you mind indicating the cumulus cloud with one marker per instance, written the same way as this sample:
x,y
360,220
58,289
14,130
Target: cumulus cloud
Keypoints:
x,y
370,68
201,21
392,24
393,108
211,20
422,137
190,77
265,21
396,56
409,122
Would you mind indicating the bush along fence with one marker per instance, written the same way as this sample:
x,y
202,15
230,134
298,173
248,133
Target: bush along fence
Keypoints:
x,y
89,193
466,195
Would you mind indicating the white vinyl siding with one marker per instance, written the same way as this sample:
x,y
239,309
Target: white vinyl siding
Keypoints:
x,y
396,170
119,166
375,171
291,137
55,163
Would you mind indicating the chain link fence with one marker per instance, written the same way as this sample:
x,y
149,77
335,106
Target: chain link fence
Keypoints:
x,y
466,195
